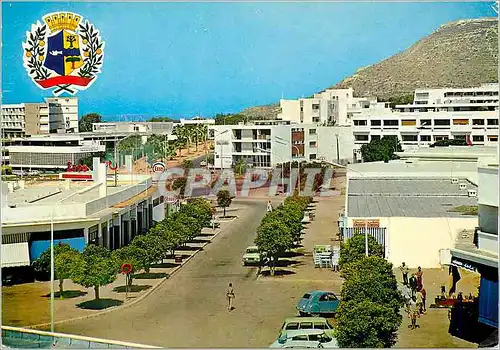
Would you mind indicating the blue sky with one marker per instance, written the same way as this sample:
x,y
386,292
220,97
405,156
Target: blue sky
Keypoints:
x,y
185,59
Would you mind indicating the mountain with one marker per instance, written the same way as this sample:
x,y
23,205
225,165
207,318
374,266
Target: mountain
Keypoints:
x,y
458,54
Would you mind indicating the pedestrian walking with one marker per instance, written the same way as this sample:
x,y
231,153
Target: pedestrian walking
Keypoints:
x,y
230,296
419,302
413,314
419,275
424,296
404,271
405,291
413,284
269,206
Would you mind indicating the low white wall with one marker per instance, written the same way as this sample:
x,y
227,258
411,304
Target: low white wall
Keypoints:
x,y
418,241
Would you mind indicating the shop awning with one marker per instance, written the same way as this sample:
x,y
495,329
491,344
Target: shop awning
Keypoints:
x,y
15,254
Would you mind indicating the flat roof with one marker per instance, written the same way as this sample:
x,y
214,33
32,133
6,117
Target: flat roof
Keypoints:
x,y
458,151
407,197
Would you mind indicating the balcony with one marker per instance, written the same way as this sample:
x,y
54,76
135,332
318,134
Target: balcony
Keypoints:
x,y
487,241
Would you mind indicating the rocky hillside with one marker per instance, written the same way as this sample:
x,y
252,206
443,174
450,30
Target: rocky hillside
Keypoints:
x,y
458,54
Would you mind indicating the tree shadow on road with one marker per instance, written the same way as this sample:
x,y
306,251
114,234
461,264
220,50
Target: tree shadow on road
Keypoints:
x,y
152,275
163,265
187,248
267,273
291,254
286,263
197,240
99,304
135,288
67,294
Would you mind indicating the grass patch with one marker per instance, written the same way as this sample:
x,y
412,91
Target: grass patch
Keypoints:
x,y
67,294
465,210
100,304
151,275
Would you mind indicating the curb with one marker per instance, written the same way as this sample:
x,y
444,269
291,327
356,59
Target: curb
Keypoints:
x,y
133,302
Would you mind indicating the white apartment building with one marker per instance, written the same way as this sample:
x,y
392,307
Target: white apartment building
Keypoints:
x,y
63,113
265,144
330,107
13,124
197,121
54,115
436,114
134,127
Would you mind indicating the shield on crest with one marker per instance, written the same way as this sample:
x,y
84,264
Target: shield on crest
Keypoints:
x,y
63,53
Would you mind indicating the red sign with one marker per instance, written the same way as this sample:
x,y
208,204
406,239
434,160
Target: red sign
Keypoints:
x,y
126,268
77,168
75,176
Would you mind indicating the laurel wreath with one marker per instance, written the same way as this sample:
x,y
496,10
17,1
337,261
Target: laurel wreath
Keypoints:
x,y
33,47
94,59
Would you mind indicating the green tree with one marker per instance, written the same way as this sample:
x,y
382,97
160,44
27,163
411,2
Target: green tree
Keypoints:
x,y
64,263
198,208
73,60
188,226
210,158
224,199
366,324
180,184
130,254
240,167
381,150
354,249
170,237
181,132
95,267
85,122
371,278
274,238
154,247
187,164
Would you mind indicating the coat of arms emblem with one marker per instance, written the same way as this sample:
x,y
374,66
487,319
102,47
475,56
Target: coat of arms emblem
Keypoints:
x,y
64,53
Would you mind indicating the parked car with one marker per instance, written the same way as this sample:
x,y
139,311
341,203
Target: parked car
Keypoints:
x,y
252,256
300,323
318,302
34,172
309,338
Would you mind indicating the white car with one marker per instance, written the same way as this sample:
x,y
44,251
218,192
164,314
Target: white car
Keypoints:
x,y
252,256
305,338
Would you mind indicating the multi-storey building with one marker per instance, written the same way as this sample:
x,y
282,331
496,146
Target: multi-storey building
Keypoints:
x,y
436,114
330,107
54,115
63,113
268,143
134,127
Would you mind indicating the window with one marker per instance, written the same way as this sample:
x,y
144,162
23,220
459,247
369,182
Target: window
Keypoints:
x,y
492,121
408,122
312,156
478,138
391,123
375,137
332,297
439,138
312,131
440,122
477,121
320,325
312,144
493,138
313,337
156,202
460,121
315,107
323,297
407,138
376,122
360,122
361,137
306,325
426,138
292,326
300,337
306,296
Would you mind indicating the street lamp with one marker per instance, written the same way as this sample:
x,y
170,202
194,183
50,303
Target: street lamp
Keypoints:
x,y
278,139
52,265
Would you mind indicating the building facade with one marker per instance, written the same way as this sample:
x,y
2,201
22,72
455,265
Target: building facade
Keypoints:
x,y
265,144
63,112
134,127
13,120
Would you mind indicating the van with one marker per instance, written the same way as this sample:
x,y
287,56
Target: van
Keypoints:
x,y
296,323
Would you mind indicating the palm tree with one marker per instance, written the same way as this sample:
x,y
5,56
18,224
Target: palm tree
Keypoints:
x,y
181,133
201,135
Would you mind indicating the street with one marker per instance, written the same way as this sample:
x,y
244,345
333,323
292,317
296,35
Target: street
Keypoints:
x,y
190,309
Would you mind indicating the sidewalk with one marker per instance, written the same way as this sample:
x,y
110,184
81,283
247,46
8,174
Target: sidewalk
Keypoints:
x,y
29,304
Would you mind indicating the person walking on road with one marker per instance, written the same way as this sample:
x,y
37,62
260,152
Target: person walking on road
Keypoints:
x,y
420,283
230,296
424,296
269,206
413,285
404,271
413,314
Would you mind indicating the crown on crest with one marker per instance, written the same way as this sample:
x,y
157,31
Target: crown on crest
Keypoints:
x,y
62,20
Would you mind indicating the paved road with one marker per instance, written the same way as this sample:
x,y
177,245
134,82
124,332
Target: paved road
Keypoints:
x,y
190,310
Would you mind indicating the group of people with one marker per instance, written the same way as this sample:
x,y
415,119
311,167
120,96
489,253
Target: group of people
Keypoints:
x,y
414,294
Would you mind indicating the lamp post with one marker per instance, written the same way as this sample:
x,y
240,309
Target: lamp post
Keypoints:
x,y
281,159
283,142
52,265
